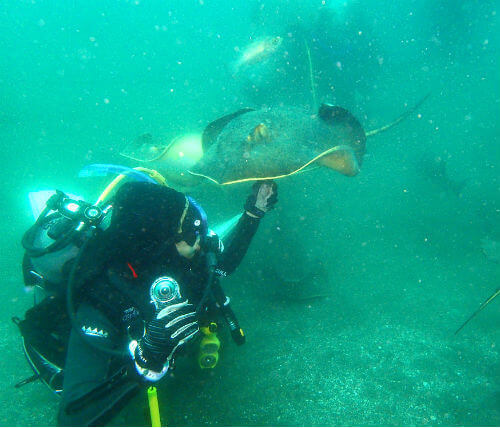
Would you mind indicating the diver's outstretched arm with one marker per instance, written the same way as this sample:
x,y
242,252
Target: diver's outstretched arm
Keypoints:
x,y
263,197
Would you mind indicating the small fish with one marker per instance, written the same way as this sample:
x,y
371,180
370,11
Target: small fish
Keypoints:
x,y
256,52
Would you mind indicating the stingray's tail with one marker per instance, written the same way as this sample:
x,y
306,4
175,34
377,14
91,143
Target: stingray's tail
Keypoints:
x,y
483,305
399,119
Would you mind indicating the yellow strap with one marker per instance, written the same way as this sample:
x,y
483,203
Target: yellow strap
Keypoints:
x,y
154,409
155,175
183,216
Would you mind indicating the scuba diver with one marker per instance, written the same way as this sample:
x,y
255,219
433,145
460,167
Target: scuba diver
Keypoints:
x,y
125,296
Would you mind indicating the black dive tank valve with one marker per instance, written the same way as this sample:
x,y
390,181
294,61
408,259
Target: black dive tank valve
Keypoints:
x,y
57,235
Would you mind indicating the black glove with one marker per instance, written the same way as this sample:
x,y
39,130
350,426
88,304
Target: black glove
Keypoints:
x,y
172,326
263,197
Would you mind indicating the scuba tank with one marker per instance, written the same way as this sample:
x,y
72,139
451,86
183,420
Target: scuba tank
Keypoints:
x,y
51,246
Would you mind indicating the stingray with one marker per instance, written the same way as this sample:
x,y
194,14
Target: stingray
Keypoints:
x,y
272,143
306,282
172,159
434,169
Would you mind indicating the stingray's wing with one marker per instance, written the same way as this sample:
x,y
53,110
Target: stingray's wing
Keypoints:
x,y
347,157
213,129
342,159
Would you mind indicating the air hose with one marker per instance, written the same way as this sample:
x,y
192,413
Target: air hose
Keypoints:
x,y
214,289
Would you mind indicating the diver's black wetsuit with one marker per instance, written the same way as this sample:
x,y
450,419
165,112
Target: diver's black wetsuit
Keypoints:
x,y
116,272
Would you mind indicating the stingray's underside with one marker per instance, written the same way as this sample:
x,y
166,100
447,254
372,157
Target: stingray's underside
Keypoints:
x,y
255,145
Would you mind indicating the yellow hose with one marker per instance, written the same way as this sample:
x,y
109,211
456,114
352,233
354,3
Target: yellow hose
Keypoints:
x,y
155,175
154,409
